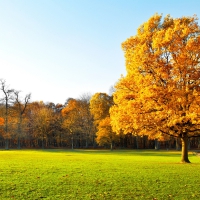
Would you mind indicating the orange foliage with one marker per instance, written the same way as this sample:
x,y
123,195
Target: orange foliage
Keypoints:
x,y
70,106
77,117
100,104
105,135
1,121
160,95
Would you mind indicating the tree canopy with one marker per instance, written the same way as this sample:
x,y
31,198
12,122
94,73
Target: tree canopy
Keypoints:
x,y
160,94
100,105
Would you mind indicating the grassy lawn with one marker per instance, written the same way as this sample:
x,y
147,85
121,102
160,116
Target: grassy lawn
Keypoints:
x,y
85,174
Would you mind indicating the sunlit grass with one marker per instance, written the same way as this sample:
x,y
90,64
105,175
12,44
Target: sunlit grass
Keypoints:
x,y
82,174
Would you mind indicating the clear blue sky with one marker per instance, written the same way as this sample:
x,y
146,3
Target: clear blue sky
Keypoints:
x,y
58,49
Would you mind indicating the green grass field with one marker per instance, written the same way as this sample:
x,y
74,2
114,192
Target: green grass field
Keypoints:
x,y
87,174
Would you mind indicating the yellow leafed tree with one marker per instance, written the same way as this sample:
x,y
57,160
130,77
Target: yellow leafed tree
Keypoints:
x,y
71,118
160,94
105,135
78,119
100,105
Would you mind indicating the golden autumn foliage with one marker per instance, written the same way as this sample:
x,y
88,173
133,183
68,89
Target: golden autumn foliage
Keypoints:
x,y
70,114
70,107
105,135
160,95
42,123
77,117
100,105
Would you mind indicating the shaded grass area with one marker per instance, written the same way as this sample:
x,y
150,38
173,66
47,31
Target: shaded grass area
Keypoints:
x,y
90,174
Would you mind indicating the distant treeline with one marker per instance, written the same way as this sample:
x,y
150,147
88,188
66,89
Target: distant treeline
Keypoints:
x,y
79,123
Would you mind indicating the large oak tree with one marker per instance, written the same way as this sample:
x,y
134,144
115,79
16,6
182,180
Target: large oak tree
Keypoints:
x,y
160,94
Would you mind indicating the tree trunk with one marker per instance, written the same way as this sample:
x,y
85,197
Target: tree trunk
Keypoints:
x,y
137,141
184,157
111,146
198,142
18,142
19,131
60,140
46,142
6,129
72,142
157,144
86,142
177,144
6,144
188,144
42,141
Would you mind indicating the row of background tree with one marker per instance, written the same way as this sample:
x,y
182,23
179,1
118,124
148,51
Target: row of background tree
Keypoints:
x,y
79,123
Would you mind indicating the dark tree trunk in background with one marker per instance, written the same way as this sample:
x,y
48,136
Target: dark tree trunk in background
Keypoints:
x,y
157,144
